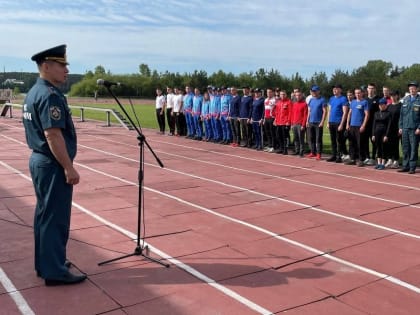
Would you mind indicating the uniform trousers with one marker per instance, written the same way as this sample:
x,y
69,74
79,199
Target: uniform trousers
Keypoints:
x,y
410,148
52,215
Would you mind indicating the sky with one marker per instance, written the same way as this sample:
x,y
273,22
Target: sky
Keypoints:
x,y
234,36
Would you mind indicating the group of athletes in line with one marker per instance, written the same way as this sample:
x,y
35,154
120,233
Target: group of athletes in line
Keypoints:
x,y
373,125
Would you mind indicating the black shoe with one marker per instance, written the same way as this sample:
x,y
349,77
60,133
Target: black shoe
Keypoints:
x,y
332,159
403,170
65,280
67,264
338,160
412,171
360,164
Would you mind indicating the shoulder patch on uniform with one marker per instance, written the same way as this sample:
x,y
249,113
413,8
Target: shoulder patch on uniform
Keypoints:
x,y
55,112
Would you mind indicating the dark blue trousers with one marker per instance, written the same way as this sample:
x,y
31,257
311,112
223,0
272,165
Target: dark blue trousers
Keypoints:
x,y
410,148
52,215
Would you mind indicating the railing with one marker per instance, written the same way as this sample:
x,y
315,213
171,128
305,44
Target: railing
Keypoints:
x,y
9,107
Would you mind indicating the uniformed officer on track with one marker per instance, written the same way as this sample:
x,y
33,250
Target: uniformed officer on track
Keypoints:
x,y
51,135
409,128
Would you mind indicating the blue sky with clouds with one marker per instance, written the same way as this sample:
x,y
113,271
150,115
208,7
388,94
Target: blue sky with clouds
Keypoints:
x,y
235,36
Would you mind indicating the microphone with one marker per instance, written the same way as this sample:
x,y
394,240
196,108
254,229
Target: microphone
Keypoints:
x,y
107,83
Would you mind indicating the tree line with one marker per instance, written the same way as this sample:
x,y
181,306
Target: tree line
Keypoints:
x,y
21,82
145,81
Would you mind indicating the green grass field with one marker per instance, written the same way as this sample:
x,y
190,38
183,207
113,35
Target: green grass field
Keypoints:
x,y
145,113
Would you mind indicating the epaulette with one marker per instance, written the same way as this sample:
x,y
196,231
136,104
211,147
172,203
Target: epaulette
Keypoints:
x,y
51,90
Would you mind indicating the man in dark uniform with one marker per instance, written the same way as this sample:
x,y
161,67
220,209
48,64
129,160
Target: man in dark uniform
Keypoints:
x,y
409,128
51,135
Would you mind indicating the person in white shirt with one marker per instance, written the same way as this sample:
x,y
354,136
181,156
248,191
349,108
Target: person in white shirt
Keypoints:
x,y
170,99
177,112
160,110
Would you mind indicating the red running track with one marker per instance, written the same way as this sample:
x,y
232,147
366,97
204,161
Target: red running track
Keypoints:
x,y
245,232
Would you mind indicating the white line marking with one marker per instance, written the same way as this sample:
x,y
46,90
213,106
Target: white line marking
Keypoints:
x,y
267,232
21,303
11,290
307,206
309,169
313,170
262,230
180,264
300,204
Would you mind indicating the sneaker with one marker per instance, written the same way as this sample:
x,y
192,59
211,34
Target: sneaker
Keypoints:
x,y
350,162
338,160
332,159
345,157
311,155
395,165
266,149
388,163
370,162
365,161
360,164
270,150
318,157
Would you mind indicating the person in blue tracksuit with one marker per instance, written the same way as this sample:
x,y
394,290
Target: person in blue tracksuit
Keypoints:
x,y
196,112
206,117
215,115
224,114
187,107
51,136
256,117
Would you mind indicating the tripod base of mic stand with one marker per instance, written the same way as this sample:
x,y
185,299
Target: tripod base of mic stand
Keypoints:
x,y
138,251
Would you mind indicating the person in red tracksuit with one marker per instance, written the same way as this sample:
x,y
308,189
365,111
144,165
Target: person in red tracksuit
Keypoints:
x,y
282,113
298,121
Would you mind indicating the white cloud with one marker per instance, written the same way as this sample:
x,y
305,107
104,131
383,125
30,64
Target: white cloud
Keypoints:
x,y
237,36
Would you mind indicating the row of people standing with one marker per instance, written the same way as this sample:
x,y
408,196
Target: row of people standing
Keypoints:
x,y
222,115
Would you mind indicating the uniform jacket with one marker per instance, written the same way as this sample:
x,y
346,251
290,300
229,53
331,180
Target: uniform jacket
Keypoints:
x,y
410,113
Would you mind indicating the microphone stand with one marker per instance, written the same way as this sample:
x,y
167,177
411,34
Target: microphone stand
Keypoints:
x,y
138,251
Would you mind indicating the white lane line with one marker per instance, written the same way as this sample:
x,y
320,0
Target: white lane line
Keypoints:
x,y
262,230
267,232
309,169
11,290
303,205
300,204
313,170
23,306
179,264
291,180
295,181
